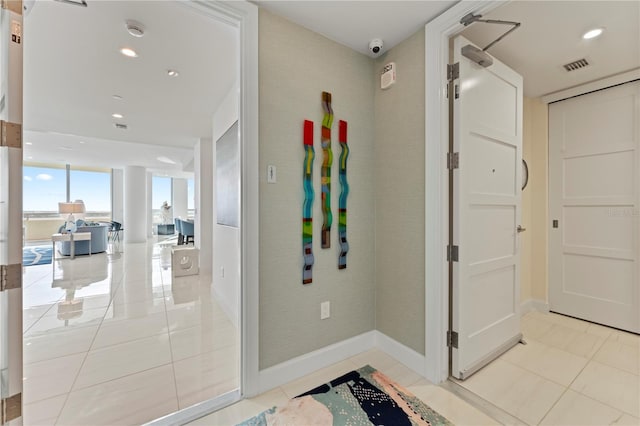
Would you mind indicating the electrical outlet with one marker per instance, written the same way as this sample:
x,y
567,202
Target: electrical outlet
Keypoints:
x,y
222,272
325,310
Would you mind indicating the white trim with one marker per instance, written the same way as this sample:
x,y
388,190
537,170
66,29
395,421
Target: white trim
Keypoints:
x,y
295,368
400,352
533,305
437,34
244,15
613,80
189,414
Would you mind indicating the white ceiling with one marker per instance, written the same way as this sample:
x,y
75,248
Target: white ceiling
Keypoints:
x,y
551,36
72,67
356,23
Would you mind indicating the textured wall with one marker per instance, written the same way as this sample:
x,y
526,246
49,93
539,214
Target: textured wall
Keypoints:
x,y
296,66
538,114
399,165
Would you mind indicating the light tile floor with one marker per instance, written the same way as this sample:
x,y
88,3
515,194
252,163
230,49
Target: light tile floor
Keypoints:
x,y
112,339
441,400
571,372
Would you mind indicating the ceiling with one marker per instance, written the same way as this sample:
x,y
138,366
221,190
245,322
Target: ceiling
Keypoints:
x,y
73,67
551,36
355,23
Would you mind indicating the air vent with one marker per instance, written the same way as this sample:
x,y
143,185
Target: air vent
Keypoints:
x,y
576,65
121,126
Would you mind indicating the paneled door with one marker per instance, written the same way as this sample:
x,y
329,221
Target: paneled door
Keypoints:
x,y
594,158
487,123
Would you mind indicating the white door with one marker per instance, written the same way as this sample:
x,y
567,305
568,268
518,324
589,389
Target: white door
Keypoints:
x,y
594,158
487,129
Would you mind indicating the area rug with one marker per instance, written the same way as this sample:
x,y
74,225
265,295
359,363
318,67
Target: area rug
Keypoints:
x,y
36,255
361,397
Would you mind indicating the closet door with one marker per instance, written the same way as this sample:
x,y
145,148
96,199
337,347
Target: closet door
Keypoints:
x,y
594,193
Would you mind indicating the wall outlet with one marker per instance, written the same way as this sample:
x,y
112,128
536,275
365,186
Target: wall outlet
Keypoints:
x,y
325,310
222,272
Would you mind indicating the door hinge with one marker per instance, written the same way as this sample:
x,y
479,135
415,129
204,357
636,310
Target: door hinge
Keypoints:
x,y
10,134
452,339
452,253
453,71
10,408
453,160
10,276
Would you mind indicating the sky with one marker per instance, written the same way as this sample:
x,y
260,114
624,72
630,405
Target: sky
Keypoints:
x,y
44,188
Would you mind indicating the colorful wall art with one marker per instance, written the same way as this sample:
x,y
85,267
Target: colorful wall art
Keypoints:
x,y
327,161
344,193
307,206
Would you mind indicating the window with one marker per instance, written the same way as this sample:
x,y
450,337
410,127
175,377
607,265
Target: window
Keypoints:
x,y
191,199
161,192
94,188
43,189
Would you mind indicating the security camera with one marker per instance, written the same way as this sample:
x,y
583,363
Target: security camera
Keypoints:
x,y
375,46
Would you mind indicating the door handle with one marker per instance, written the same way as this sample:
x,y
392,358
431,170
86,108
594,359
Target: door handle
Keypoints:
x,y
521,229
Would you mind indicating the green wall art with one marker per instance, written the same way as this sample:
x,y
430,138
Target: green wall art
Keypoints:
x,y
327,161
344,193
307,206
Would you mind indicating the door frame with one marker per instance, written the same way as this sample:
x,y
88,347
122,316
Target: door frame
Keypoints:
x,y
437,35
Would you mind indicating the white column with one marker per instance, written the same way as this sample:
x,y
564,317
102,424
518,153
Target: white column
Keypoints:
x,y
135,204
203,184
180,198
117,195
150,206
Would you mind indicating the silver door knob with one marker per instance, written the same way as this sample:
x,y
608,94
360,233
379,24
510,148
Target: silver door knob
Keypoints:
x,y
521,229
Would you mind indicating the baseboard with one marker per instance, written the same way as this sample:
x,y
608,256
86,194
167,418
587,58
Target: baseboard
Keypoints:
x,y
295,368
402,353
533,305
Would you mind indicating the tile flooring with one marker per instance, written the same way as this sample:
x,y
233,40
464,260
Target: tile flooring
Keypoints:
x,y
441,400
570,372
109,339
112,339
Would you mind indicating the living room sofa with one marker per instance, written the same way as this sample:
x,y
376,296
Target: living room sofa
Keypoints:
x,y
99,235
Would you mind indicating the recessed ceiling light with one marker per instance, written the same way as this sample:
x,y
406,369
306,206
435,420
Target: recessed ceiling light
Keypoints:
x,y
116,115
80,141
592,33
28,143
117,97
126,51
172,73
30,157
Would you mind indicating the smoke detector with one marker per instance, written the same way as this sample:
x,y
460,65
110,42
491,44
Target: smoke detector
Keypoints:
x,y
134,28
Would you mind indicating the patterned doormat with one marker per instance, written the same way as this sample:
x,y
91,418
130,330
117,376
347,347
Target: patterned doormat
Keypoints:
x,y
361,397
36,255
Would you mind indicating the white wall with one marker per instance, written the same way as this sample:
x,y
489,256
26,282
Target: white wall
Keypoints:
x,y
204,162
117,195
180,198
135,204
226,239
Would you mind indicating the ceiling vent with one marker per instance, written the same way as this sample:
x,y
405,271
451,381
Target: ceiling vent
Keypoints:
x,y
576,65
121,126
